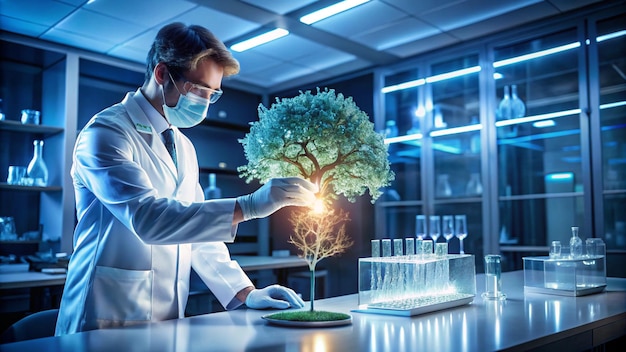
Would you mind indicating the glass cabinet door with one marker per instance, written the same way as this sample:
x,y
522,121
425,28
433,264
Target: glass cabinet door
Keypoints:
x,y
538,127
402,129
611,44
455,143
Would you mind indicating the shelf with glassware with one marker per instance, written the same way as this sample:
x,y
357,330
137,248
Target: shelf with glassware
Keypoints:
x,y
538,122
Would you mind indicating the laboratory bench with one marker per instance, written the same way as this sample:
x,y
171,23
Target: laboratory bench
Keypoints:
x,y
524,321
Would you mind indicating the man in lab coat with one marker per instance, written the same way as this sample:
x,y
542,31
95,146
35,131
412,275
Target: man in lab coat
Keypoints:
x,y
143,222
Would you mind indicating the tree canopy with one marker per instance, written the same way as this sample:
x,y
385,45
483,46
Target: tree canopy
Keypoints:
x,y
322,137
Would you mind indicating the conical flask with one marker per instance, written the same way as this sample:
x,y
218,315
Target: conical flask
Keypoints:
x,y
37,171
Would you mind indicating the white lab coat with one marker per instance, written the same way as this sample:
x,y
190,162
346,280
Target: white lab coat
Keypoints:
x,y
141,226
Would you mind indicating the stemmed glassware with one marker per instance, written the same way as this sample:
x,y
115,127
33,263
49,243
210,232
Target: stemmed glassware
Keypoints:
x,y
420,226
461,230
448,227
435,227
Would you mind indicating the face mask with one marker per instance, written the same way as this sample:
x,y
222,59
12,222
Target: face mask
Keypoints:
x,y
188,112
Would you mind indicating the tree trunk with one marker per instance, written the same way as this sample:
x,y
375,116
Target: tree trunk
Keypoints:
x,y
312,288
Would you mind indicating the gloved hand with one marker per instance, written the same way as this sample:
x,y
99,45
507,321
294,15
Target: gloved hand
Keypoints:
x,y
275,194
274,296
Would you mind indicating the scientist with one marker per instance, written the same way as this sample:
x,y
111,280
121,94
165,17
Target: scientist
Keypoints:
x,y
143,222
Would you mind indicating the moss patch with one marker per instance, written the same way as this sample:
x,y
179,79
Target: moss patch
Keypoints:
x,y
309,316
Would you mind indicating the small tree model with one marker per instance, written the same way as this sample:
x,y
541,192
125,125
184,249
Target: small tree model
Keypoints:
x,y
328,140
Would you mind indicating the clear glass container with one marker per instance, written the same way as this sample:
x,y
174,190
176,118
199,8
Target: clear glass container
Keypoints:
x,y
411,285
566,275
37,172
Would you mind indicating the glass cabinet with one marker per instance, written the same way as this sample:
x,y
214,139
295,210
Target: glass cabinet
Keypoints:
x,y
539,140
433,130
609,97
524,133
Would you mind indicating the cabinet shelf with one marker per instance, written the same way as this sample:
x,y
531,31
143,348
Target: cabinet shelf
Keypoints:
x,y
16,126
4,185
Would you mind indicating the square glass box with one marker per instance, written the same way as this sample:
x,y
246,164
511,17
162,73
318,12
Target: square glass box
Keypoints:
x,y
415,284
566,276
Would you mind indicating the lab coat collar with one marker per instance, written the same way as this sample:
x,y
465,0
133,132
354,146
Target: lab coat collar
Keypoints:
x,y
149,125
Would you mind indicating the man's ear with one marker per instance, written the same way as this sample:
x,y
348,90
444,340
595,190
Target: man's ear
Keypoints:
x,y
160,73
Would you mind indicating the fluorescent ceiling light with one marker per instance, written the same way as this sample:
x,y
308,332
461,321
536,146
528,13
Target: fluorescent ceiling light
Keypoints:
x,y
612,105
611,36
496,64
551,115
455,130
535,55
405,85
453,74
560,176
544,123
330,11
259,39
406,138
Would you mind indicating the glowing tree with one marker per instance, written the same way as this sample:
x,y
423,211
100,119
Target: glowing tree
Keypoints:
x,y
328,140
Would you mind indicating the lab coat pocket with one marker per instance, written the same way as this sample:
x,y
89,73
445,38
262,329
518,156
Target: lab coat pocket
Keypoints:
x,y
122,295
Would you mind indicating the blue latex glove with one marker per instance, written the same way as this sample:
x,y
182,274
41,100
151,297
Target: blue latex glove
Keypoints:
x,y
274,296
276,194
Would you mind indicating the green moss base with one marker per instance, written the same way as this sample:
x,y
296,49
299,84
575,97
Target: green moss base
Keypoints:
x,y
309,316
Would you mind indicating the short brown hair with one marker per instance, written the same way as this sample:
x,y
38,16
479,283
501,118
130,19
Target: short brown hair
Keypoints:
x,y
181,47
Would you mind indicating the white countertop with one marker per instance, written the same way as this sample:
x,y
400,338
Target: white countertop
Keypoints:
x,y
522,322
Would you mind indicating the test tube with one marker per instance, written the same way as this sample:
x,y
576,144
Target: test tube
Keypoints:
x,y
397,247
427,247
493,278
419,248
410,246
375,248
386,247
441,249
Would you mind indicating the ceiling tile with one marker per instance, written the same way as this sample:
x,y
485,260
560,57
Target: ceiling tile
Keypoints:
x,y
23,27
252,62
323,59
463,13
361,19
567,5
93,44
504,21
288,48
143,41
280,6
129,53
23,10
151,12
397,33
97,26
224,26
421,46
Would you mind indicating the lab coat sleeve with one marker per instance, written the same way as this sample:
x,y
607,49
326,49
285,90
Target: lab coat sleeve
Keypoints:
x,y
108,161
223,276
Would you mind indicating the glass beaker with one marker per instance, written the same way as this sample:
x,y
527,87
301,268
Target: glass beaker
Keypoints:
x,y
555,249
493,278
